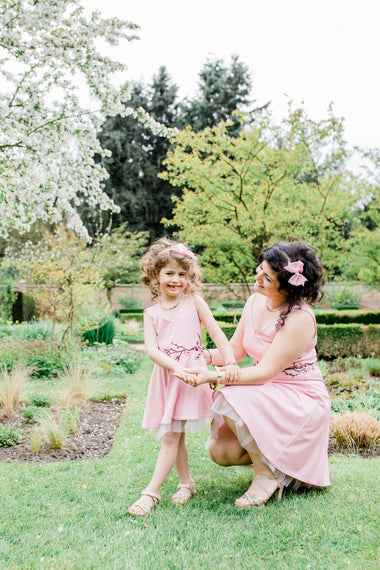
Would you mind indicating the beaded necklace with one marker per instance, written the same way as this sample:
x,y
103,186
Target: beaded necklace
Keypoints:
x,y
275,310
170,308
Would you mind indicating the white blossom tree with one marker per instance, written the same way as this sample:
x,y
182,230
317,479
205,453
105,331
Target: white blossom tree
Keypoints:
x,y
55,91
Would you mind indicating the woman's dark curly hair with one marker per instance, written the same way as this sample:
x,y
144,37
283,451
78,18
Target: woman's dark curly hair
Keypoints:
x,y
157,256
279,254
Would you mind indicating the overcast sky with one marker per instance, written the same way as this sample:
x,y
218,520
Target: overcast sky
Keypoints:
x,y
312,51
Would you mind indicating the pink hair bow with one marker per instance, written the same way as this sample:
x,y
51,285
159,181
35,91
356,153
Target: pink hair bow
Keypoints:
x,y
296,267
182,250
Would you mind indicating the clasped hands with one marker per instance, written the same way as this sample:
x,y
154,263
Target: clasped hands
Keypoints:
x,y
199,375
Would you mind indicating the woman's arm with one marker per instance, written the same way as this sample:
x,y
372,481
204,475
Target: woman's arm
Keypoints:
x,y
289,343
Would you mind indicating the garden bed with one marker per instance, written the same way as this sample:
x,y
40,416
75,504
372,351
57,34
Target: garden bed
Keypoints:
x,y
94,437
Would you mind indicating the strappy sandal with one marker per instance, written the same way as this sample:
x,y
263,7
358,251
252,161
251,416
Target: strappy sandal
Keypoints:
x,y
140,508
184,493
256,500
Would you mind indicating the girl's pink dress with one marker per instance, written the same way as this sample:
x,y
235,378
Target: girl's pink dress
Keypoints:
x,y
173,405
288,416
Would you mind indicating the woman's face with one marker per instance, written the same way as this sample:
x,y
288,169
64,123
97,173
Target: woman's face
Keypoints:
x,y
266,281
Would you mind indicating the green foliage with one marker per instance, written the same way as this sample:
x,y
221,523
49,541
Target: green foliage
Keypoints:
x,y
243,193
137,156
97,329
9,436
113,358
38,329
45,358
347,340
8,279
222,90
130,304
69,418
40,400
31,414
342,317
118,254
344,298
340,340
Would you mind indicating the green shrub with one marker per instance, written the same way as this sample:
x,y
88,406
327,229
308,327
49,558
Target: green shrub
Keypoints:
x,y
125,316
232,317
333,340
9,436
343,317
44,357
40,400
41,329
344,298
31,414
130,304
98,329
347,340
111,358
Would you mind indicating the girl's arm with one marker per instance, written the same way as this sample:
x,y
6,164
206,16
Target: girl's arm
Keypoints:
x,y
152,350
206,317
289,343
236,343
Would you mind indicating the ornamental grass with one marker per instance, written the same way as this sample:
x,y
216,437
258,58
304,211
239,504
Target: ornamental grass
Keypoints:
x,y
355,430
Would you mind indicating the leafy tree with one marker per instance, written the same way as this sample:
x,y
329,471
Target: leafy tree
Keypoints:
x,y
49,56
222,90
118,254
63,273
362,253
137,155
242,193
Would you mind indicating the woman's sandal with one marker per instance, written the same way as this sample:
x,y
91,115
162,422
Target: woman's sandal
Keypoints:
x,y
247,500
140,508
184,493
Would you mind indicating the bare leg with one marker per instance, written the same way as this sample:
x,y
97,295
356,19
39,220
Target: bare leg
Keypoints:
x,y
182,461
166,459
226,449
263,484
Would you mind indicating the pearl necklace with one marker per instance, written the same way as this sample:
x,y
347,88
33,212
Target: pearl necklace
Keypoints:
x,y
170,308
275,310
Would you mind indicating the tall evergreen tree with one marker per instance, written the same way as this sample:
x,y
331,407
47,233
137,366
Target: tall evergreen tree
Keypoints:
x,y
137,156
221,90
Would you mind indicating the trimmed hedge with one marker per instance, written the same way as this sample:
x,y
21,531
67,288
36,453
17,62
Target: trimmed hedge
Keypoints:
x,y
343,317
325,317
127,316
334,341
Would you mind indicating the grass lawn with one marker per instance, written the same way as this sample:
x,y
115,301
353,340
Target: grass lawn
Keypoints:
x,y
73,515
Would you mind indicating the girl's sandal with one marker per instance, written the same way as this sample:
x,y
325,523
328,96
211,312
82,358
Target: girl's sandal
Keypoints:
x,y
184,493
140,508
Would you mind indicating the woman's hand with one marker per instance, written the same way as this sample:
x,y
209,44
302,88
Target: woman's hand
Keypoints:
x,y
195,376
231,373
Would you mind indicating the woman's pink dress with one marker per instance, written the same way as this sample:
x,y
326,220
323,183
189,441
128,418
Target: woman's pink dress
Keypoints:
x,y
288,416
173,405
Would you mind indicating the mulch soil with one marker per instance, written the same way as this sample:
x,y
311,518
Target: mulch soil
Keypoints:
x,y
94,437
97,425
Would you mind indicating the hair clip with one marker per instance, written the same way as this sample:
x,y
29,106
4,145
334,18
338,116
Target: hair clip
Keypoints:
x,y
296,267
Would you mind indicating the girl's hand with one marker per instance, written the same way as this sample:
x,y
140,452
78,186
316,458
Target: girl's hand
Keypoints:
x,y
195,376
232,373
184,375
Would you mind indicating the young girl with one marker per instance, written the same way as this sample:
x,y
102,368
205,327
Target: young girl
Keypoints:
x,y
172,335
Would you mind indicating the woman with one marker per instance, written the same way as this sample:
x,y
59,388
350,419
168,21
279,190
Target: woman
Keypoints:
x,y
274,415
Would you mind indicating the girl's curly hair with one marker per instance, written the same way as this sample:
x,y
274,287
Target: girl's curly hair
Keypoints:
x,y
279,254
158,256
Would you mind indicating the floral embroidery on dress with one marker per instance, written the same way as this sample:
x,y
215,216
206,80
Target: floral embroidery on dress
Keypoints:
x,y
297,369
175,350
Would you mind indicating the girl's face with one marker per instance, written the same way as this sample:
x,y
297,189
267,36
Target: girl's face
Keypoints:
x,y
172,280
266,281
